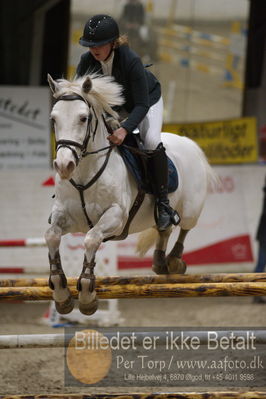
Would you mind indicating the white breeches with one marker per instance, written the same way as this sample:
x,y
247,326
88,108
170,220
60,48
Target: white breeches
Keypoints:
x,y
151,126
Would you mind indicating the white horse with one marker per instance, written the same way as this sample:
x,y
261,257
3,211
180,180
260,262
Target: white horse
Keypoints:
x,y
95,193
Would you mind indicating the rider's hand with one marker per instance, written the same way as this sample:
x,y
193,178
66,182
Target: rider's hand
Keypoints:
x,y
118,136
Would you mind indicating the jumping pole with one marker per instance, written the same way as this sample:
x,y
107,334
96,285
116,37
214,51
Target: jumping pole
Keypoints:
x,y
166,290
27,341
150,395
140,280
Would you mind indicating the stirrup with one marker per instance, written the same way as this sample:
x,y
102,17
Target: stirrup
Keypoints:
x,y
174,216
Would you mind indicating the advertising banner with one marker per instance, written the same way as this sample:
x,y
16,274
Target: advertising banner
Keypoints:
x,y
165,357
224,142
222,234
24,127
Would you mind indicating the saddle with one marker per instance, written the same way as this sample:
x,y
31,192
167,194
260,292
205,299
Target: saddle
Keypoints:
x,y
136,160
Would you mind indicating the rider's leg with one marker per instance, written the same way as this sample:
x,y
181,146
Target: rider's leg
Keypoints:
x,y
150,131
164,214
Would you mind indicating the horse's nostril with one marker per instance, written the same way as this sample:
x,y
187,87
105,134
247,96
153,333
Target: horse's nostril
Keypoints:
x,y
70,167
55,165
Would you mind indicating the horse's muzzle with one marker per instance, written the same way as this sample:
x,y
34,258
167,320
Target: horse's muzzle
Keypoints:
x,y
65,169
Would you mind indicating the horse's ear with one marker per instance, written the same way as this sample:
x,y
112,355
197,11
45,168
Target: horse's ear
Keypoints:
x,y
53,85
87,85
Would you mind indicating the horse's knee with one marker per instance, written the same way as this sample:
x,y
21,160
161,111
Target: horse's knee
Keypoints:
x,y
53,236
93,240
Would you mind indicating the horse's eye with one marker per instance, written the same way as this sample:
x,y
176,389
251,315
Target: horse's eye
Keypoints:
x,y
83,119
52,120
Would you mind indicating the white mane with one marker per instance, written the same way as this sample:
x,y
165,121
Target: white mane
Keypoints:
x,y
104,94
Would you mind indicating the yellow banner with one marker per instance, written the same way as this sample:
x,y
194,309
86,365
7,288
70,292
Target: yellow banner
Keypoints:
x,y
224,142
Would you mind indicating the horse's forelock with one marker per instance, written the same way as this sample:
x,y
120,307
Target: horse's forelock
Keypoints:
x,y
105,88
104,94
67,87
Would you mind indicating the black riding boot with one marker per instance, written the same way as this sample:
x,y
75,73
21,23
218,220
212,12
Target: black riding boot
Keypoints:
x,y
164,214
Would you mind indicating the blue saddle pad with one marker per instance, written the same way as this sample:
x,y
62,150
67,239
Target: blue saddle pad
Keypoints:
x,y
135,166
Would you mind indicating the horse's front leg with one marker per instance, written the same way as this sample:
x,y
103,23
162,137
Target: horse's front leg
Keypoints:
x,y
108,225
64,302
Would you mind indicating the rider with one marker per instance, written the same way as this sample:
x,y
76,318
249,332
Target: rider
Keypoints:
x,y
109,54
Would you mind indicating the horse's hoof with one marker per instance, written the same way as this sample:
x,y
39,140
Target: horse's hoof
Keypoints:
x,y
160,269
88,302
90,306
66,306
159,262
64,303
176,265
89,309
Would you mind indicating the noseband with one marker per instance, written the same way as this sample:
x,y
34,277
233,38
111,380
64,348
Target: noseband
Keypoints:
x,y
71,143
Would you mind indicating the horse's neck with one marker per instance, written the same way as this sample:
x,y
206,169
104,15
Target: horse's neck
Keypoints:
x,y
98,139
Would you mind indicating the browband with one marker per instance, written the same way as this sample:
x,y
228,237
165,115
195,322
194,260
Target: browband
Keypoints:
x,y
70,97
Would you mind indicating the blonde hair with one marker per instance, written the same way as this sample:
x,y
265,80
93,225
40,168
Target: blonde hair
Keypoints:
x,y
120,41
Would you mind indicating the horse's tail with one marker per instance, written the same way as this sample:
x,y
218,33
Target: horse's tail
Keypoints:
x,y
213,179
146,240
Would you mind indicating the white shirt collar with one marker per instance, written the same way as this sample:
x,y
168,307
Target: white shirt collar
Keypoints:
x,y
108,64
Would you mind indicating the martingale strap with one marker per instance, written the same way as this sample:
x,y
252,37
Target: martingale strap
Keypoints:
x,y
81,188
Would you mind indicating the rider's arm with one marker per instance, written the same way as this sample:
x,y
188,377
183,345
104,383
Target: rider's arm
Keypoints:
x,y
139,94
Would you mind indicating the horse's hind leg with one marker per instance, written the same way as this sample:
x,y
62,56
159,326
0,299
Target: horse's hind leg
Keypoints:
x,y
159,259
64,302
175,264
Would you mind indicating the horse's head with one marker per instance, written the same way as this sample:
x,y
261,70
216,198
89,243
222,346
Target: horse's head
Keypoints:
x,y
78,106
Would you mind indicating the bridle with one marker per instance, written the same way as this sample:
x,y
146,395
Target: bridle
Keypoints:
x,y
71,143
83,147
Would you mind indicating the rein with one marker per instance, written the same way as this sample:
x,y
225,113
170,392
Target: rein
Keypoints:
x,y
83,147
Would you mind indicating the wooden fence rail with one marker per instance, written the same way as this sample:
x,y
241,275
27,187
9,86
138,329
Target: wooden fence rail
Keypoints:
x,y
150,395
140,280
163,290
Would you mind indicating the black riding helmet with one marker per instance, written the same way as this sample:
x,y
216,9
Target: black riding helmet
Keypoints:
x,y
99,30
